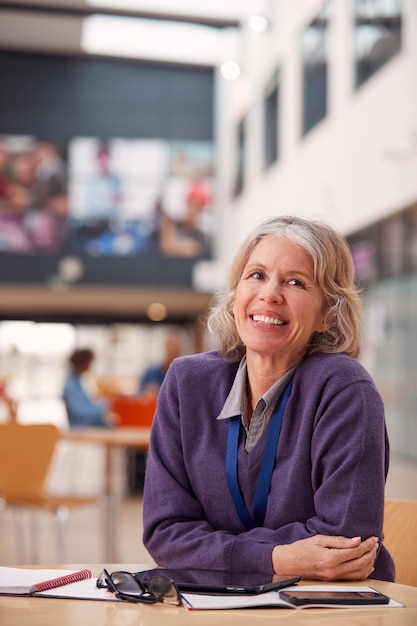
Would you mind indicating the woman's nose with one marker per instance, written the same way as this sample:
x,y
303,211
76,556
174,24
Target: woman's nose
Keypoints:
x,y
272,291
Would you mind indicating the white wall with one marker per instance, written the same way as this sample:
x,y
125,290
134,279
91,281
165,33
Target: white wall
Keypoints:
x,y
356,166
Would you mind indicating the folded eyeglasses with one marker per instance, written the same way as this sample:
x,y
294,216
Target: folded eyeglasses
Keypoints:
x,y
125,586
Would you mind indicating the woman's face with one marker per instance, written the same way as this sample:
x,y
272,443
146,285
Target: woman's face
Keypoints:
x,y
278,305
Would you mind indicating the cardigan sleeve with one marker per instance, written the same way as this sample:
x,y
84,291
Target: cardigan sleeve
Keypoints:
x,y
176,530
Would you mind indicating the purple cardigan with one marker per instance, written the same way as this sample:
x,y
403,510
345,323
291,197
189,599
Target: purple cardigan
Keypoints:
x,y
329,476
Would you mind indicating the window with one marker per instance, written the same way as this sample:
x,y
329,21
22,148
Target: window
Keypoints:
x,y
314,51
388,248
271,120
241,157
377,35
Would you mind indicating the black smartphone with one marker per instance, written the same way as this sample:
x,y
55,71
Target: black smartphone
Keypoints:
x,y
207,581
302,598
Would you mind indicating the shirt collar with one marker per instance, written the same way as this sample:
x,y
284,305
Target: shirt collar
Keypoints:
x,y
234,404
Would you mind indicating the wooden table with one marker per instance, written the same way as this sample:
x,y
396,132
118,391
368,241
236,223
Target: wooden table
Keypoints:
x,y
136,438
133,438
15,611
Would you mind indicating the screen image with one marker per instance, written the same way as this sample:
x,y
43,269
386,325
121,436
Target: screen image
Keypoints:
x,y
106,197
33,195
320,595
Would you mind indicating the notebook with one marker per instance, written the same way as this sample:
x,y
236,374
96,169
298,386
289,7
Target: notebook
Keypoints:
x,y
27,582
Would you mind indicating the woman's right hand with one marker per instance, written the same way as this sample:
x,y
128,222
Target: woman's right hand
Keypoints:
x,y
327,558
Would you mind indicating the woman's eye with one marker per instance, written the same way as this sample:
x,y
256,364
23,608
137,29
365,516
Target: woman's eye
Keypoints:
x,y
296,282
256,275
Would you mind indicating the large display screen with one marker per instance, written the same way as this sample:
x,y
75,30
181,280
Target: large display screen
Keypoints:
x,y
106,197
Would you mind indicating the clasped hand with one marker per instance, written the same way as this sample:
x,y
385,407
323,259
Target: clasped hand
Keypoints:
x,y
328,558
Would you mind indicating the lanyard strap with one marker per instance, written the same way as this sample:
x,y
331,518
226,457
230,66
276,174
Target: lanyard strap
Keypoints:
x,y
265,474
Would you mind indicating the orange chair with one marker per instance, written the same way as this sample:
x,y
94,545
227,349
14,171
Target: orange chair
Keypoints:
x,y
134,410
26,453
400,538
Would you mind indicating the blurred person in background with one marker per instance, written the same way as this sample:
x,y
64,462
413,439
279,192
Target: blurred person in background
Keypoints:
x,y
270,455
4,178
153,377
82,408
149,386
50,182
179,229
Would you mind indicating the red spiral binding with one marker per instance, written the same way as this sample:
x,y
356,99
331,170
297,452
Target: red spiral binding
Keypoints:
x,y
63,580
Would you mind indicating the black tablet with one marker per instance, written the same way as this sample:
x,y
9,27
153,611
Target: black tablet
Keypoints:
x,y
207,581
305,598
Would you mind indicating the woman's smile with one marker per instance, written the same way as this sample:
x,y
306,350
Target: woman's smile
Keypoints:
x,y
265,319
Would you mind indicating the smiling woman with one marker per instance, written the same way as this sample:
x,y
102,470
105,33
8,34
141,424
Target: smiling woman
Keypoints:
x,y
278,306
282,425
333,271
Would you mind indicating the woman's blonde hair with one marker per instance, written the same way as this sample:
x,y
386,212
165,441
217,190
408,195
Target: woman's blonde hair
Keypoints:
x,y
333,271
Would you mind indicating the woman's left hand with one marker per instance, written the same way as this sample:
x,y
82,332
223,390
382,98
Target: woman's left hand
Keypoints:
x,y
328,558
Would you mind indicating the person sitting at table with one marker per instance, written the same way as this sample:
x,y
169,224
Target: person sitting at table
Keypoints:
x,y
148,388
82,409
225,488
153,377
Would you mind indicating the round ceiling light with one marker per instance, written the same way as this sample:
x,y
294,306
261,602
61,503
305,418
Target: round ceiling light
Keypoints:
x,y
157,311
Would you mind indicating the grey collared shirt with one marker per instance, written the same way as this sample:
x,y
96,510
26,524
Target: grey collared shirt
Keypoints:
x,y
236,404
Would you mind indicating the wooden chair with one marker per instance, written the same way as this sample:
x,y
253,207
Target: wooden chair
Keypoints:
x,y
26,452
400,532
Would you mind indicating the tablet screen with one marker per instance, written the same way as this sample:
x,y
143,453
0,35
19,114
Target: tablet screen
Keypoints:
x,y
300,597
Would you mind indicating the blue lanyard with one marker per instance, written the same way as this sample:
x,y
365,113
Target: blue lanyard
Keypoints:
x,y
265,474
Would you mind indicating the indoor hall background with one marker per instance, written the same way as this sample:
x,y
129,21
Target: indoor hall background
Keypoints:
x,y
356,164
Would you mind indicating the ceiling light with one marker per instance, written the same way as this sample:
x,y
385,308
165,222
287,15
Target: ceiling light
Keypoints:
x,y
157,311
158,40
258,23
230,70
228,10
